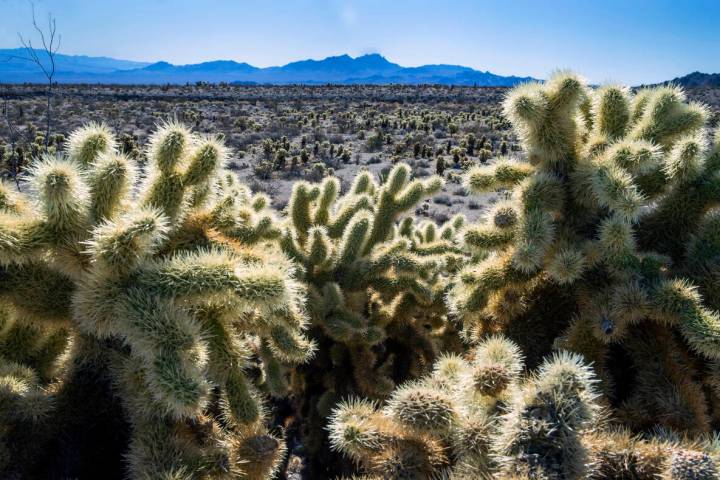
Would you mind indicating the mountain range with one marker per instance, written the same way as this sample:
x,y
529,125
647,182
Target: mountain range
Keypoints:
x,y
697,79
342,69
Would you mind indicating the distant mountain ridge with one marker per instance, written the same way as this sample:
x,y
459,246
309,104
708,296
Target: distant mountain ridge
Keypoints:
x,y
697,79
343,69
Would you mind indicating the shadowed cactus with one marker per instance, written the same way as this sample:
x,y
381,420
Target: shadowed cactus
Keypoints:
x,y
171,287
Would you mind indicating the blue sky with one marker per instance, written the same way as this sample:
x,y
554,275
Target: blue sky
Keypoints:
x,y
630,41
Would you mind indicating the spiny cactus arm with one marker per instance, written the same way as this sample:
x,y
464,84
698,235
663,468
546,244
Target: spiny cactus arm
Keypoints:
x,y
396,255
415,191
678,214
119,246
397,195
504,173
616,239
329,189
86,144
274,373
164,186
259,454
639,103
496,367
62,195
422,408
677,301
109,182
611,109
300,208
666,117
475,283
197,279
353,239
487,237
566,265
535,234
686,160
200,276
355,429
614,188
205,161
22,398
37,293
347,210
561,396
289,345
364,184
396,285
12,201
226,362
345,326
342,324
165,192
291,247
319,247
438,249
21,238
169,342
245,224
36,345
371,376
635,156
543,115
168,146
541,192
198,196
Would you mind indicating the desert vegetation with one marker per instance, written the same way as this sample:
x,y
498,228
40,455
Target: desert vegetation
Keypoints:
x,y
387,282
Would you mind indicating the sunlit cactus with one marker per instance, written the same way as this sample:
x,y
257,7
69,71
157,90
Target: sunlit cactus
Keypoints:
x,y
441,424
169,287
607,228
541,432
546,425
376,279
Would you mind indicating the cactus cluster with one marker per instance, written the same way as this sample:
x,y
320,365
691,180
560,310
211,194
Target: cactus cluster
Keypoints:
x,y
475,417
164,281
606,232
370,278
178,295
375,283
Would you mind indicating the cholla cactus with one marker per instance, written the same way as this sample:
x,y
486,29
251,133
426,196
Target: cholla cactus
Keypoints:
x,y
616,453
608,225
441,425
370,278
170,284
375,283
475,417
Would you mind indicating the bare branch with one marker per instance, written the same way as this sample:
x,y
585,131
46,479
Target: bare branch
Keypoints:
x,y
50,46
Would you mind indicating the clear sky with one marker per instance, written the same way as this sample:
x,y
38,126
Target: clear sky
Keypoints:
x,y
630,41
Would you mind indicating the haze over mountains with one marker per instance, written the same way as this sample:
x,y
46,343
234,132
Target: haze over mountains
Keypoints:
x,y
366,69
